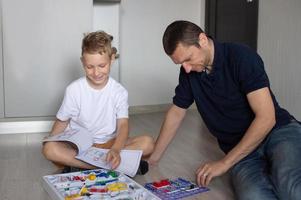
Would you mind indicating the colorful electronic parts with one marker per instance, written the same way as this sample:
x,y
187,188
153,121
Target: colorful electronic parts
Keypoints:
x,y
174,189
116,187
68,184
95,184
72,197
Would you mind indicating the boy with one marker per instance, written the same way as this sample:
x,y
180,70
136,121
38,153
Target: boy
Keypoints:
x,y
98,104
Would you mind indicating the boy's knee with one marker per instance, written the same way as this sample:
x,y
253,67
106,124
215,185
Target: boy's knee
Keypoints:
x,y
49,150
148,144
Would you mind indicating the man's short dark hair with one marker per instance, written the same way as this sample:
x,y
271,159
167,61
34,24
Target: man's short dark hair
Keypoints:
x,y
184,32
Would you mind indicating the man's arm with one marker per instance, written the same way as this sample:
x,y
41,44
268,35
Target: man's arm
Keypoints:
x,y
59,126
172,121
262,105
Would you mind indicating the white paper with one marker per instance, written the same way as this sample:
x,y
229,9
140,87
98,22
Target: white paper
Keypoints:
x,y
82,139
130,159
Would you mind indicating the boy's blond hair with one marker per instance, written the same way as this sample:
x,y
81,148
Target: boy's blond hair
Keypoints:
x,y
98,42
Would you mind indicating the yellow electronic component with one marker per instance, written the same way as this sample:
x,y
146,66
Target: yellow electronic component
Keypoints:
x,y
115,187
91,177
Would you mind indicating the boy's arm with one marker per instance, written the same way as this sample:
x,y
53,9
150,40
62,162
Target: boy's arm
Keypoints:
x,y
173,120
59,126
122,134
113,155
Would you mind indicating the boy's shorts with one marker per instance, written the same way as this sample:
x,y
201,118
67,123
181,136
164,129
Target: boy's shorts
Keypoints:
x,y
106,145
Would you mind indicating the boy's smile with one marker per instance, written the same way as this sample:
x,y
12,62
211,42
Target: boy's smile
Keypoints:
x,y
97,68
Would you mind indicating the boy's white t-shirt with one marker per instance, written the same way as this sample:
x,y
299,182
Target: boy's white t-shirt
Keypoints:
x,y
94,110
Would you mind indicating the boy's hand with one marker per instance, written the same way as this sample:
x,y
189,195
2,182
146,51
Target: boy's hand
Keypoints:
x,y
113,157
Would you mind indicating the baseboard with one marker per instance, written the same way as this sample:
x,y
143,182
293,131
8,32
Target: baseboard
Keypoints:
x,y
148,109
25,127
14,126
153,108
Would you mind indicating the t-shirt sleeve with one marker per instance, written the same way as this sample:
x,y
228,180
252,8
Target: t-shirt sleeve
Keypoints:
x,y
183,95
122,106
252,75
68,108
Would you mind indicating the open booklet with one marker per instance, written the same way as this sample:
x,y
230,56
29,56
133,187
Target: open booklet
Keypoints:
x,y
83,140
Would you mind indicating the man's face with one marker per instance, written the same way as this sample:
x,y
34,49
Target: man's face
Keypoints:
x,y
192,58
97,68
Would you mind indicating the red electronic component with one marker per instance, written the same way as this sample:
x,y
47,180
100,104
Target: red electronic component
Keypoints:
x,y
161,183
98,190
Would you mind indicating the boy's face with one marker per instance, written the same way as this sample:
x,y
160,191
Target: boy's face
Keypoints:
x,y
97,68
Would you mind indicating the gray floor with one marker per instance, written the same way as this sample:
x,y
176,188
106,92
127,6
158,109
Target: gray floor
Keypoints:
x,y
22,165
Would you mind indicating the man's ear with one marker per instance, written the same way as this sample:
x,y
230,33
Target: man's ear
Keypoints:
x,y
203,40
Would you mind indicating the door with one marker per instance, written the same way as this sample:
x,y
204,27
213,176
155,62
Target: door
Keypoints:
x,y
233,21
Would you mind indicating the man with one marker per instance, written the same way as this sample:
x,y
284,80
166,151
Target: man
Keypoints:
x,y
229,85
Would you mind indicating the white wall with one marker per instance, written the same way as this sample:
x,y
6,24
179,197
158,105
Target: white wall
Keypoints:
x,y
145,70
279,44
101,21
41,50
1,67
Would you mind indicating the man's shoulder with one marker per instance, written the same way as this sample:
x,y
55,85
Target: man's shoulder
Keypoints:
x,y
239,50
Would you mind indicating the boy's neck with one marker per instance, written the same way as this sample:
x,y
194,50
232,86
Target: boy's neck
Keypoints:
x,y
96,87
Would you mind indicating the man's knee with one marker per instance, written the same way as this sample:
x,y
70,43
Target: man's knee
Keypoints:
x,y
289,185
253,192
247,193
250,182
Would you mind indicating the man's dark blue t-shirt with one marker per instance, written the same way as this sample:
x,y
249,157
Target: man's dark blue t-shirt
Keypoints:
x,y
220,96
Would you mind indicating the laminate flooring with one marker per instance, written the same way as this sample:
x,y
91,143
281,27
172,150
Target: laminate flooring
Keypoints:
x,y
22,164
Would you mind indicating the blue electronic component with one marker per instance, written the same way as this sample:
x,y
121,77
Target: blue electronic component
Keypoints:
x,y
177,189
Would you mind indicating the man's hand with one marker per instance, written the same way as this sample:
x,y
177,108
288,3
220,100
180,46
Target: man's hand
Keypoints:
x,y
209,170
113,157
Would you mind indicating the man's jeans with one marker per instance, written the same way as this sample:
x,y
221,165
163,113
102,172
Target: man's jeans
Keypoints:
x,y
273,170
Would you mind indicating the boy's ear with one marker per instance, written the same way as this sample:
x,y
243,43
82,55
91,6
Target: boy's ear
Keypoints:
x,y
113,57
